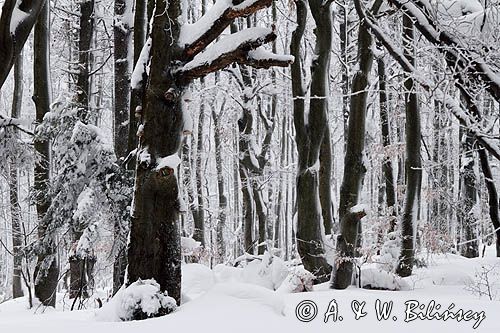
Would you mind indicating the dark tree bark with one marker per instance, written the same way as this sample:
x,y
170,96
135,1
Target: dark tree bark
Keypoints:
x,y
140,29
387,170
325,181
468,198
413,163
310,137
354,169
154,230
47,269
86,31
15,207
122,34
77,271
13,41
122,117
344,46
492,196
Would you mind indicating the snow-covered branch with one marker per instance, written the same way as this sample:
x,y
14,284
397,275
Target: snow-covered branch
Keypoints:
x,y
449,102
469,63
196,37
240,47
16,21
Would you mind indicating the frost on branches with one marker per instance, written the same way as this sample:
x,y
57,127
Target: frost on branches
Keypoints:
x,y
88,187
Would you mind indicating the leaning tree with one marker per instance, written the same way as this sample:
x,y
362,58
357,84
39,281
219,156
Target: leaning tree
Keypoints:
x,y
175,54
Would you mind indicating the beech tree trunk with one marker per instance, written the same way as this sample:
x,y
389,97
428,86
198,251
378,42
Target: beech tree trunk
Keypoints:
x,y
154,232
492,196
122,34
199,211
387,170
139,31
309,138
46,272
221,220
78,277
354,168
13,41
413,159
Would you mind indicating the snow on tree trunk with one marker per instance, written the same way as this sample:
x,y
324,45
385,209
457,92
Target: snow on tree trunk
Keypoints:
x,y
155,233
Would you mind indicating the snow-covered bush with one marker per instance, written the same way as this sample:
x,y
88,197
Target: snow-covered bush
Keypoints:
x,y
143,299
373,278
389,253
298,280
265,270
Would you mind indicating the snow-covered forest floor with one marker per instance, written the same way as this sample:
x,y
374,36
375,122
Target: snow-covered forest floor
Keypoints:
x,y
217,299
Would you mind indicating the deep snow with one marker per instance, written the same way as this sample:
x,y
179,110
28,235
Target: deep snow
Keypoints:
x,y
215,300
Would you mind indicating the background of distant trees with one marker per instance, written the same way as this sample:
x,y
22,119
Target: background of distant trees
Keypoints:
x,y
340,128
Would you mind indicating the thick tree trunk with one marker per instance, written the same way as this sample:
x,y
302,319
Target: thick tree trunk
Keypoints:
x,y
15,207
309,138
413,160
154,232
354,169
47,269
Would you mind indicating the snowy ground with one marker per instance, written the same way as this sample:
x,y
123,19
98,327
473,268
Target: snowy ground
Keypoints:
x,y
219,303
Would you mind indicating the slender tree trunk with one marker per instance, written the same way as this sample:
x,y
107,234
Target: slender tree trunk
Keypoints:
x,y
122,35
413,160
344,44
245,131
470,244
84,44
221,221
387,170
199,212
492,196
140,32
78,281
15,207
325,181
47,269
122,117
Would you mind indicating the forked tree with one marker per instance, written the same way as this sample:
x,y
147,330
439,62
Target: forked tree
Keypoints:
x,y
177,53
